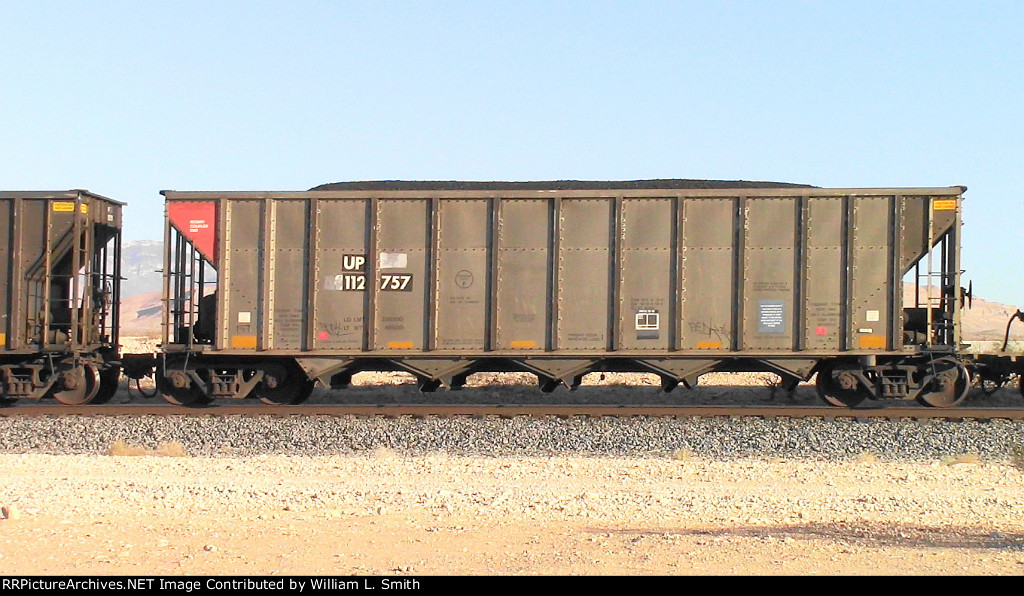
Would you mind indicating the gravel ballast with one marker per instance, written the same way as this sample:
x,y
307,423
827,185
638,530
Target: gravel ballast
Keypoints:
x,y
720,438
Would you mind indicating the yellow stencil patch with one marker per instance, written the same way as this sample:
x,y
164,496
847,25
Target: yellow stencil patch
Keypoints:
x,y
872,342
709,345
944,204
523,344
400,345
68,207
243,341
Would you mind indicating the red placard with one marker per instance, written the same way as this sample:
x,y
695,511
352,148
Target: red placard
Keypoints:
x,y
197,221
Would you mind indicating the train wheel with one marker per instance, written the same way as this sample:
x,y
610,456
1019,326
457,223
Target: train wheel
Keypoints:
x,y
293,389
80,385
191,396
835,389
109,380
289,395
953,381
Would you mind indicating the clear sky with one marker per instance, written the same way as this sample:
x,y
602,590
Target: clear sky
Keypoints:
x,y
128,98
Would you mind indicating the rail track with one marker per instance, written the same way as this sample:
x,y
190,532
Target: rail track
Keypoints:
x,y
509,411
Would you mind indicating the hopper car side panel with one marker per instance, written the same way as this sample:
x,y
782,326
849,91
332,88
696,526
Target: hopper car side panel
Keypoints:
x,y
443,283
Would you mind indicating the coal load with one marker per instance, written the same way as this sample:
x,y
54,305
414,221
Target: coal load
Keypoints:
x,y
667,183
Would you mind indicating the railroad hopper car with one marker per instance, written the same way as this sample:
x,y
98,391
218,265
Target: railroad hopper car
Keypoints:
x,y
271,292
59,290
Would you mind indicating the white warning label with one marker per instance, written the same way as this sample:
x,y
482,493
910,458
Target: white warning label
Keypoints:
x,y
771,316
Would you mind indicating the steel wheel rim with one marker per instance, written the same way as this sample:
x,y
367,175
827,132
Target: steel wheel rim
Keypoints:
x,y
190,396
288,394
85,390
109,380
955,393
832,394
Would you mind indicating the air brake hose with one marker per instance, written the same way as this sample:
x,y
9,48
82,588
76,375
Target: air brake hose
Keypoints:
x,y
1006,340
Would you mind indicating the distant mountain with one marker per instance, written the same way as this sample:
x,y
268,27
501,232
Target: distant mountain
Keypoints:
x,y
141,265
984,320
987,320
141,315
142,262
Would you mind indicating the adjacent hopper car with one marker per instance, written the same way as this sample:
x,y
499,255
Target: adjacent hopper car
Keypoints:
x,y
269,293
59,291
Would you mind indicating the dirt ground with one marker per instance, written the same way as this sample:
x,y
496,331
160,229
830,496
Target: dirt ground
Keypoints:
x,y
386,514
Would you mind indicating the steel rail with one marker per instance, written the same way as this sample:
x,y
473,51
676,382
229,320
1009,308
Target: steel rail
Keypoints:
x,y
562,411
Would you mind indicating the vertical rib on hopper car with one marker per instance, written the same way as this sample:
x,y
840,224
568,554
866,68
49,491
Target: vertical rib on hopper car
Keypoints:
x,y
272,291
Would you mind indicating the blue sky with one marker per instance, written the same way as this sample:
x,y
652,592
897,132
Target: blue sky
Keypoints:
x,y
128,98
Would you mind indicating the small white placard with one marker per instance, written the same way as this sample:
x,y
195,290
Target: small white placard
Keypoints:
x,y
872,315
393,260
244,317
